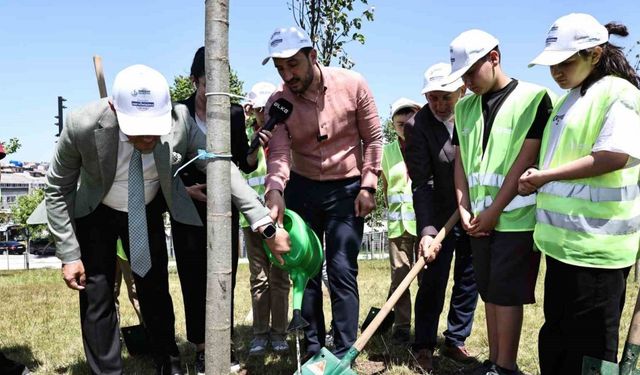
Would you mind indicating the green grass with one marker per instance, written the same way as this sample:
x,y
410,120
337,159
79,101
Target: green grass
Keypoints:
x,y
40,327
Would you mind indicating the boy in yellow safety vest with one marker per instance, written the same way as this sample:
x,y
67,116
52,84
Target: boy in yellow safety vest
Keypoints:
x,y
269,284
401,218
588,201
498,131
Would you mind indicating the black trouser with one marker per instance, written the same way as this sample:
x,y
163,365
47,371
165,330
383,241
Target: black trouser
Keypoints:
x,y
97,234
190,246
582,309
328,207
432,291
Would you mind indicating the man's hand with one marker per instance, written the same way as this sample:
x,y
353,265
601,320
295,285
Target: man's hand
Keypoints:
x,y
73,275
365,203
425,251
196,192
275,202
264,137
280,244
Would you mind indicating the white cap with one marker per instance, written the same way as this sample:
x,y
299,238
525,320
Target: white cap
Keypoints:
x,y
140,96
435,79
467,48
260,93
404,103
568,35
286,42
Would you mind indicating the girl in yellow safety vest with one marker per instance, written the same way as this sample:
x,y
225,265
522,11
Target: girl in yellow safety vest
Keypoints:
x,y
588,201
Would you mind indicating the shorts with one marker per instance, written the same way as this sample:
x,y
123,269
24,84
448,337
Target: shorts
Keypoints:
x,y
506,267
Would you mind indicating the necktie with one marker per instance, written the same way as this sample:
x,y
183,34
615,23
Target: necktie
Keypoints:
x,y
138,234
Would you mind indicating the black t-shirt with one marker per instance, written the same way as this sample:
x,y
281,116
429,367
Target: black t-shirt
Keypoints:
x,y
491,104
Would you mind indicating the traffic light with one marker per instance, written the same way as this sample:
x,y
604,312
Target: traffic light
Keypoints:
x,y
59,116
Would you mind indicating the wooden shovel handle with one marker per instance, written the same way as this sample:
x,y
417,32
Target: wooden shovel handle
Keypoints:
x,y
634,327
102,87
386,308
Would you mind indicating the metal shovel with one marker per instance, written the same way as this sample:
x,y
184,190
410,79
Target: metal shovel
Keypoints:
x,y
629,360
325,363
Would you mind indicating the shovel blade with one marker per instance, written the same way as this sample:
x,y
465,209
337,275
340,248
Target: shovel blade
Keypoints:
x,y
594,366
325,363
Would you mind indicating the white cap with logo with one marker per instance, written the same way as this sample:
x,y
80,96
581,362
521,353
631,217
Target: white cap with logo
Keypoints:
x,y
466,49
404,103
436,79
141,98
568,35
260,93
286,42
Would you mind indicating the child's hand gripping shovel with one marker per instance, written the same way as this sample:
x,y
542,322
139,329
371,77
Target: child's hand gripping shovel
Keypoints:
x,y
325,363
628,362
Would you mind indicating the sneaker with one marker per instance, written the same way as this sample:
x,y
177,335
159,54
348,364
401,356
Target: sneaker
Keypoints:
x,y
486,368
169,365
258,346
198,363
235,365
424,360
456,353
497,370
279,344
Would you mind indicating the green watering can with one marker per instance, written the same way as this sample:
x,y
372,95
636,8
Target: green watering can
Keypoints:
x,y
303,262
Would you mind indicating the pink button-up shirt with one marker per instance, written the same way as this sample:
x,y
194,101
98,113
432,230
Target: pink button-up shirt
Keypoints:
x,y
334,136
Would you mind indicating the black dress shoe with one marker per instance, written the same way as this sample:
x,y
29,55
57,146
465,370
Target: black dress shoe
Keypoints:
x,y
170,365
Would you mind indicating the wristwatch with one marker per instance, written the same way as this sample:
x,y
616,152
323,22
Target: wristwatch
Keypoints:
x,y
268,232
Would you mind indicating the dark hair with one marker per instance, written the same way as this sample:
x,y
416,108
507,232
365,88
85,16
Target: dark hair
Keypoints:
x,y
306,50
197,66
612,62
405,111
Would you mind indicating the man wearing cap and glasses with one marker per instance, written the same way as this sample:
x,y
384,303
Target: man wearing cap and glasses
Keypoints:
x,y
269,284
498,132
430,160
121,149
327,153
401,219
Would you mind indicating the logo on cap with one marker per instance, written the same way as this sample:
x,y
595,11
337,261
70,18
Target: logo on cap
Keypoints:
x,y
275,42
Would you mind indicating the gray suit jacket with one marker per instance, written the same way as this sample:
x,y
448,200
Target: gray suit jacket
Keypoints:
x,y
84,165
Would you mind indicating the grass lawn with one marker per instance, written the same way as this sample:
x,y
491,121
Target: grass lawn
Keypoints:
x,y
40,327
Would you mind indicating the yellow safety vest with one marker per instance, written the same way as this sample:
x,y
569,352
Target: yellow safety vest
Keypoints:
x,y
595,221
400,214
486,171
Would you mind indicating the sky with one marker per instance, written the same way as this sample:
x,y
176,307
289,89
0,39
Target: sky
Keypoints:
x,y
47,47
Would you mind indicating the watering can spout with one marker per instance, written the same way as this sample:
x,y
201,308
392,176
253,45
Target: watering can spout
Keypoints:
x,y
297,323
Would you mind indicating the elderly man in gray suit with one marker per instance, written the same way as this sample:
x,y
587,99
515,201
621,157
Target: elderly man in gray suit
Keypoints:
x,y
112,158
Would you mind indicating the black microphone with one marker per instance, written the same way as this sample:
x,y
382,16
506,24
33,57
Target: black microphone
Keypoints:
x,y
280,110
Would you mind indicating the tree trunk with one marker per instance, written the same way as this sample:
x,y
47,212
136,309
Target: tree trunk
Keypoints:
x,y
218,329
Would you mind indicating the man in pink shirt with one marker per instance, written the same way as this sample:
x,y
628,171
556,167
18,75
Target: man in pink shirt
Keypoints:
x,y
327,154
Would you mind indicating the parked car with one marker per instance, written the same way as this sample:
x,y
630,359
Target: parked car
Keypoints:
x,y
43,247
13,247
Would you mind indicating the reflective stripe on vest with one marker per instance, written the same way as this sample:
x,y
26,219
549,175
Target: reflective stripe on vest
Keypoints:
x,y
516,203
400,214
594,221
400,198
486,169
590,193
256,181
397,216
579,223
